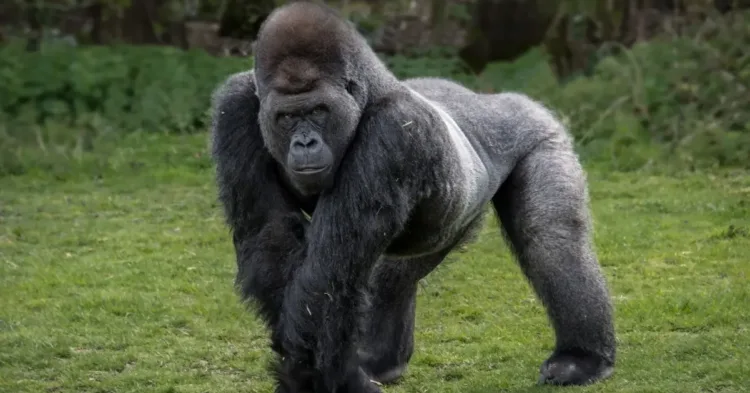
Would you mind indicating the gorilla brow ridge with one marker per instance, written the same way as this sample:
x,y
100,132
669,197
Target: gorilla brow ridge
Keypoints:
x,y
303,29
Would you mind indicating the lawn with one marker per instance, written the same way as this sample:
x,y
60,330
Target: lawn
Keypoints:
x,y
116,276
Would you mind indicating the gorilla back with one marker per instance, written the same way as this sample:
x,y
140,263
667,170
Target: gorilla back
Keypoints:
x,y
394,174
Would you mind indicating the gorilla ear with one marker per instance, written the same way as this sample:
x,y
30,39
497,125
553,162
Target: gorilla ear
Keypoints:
x,y
350,87
356,91
255,83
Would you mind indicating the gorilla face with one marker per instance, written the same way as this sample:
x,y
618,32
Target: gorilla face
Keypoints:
x,y
307,118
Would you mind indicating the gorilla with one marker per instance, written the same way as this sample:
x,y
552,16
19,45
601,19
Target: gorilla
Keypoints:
x,y
343,186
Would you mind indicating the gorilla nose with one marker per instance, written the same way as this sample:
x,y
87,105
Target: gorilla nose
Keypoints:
x,y
306,145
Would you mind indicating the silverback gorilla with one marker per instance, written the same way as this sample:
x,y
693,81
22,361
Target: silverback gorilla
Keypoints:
x,y
393,175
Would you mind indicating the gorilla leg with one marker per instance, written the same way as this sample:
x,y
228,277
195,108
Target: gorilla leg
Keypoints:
x,y
388,330
544,213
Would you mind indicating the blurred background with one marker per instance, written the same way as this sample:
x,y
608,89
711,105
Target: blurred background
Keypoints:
x,y
637,81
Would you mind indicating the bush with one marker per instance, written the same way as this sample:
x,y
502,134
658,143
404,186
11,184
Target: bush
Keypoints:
x,y
61,100
681,99
130,88
689,95
432,62
678,99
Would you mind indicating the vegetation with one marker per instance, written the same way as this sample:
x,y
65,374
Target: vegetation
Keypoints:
x,y
119,279
680,100
60,103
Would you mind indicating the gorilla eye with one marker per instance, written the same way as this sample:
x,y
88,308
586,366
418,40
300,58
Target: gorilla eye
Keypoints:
x,y
285,120
318,115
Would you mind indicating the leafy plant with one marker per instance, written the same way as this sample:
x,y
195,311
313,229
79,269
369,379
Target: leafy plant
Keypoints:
x,y
677,99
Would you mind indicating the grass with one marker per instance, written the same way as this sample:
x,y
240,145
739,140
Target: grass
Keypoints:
x,y
116,276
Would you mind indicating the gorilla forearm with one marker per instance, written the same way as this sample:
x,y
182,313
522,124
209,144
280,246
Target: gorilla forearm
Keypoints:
x,y
349,232
267,261
268,228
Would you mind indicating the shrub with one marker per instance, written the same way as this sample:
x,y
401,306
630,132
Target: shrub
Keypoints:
x,y
687,94
130,88
683,99
58,101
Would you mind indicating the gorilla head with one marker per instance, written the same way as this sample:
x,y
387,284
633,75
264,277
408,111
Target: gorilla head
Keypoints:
x,y
311,97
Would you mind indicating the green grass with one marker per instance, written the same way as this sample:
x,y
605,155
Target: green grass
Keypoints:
x,y
116,276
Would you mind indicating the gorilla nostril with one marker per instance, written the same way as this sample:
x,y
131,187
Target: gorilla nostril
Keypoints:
x,y
310,144
306,144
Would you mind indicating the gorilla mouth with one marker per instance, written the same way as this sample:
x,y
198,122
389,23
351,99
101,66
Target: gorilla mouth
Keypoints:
x,y
311,170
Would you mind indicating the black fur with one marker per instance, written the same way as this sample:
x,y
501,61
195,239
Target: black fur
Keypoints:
x,y
402,172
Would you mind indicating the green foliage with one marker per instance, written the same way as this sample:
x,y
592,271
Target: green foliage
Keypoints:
x,y
681,100
61,100
152,88
458,11
429,62
686,94
677,100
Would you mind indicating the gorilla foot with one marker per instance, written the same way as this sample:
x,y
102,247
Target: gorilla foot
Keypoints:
x,y
574,368
360,383
389,375
380,370
305,380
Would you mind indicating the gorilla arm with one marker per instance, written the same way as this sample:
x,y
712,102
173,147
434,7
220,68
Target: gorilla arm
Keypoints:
x,y
267,225
352,225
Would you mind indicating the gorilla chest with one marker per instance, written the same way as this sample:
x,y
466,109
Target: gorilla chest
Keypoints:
x,y
459,186
449,212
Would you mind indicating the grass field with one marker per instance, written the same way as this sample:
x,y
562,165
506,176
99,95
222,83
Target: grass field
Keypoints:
x,y
116,276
